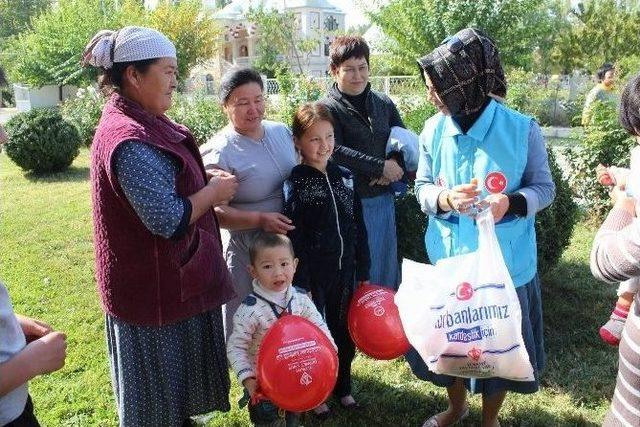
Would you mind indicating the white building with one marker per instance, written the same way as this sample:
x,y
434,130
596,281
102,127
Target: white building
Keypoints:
x,y
317,19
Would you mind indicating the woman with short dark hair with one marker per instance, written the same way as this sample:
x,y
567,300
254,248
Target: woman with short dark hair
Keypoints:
x,y
364,119
260,153
159,265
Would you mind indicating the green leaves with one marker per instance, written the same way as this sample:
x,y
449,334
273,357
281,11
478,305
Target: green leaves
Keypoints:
x,y
84,111
42,141
202,114
604,142
50,52
415,28
554,225
279,36
600,32
15,15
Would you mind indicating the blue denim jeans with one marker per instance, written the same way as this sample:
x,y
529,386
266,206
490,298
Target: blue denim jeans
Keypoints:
x,y
380,219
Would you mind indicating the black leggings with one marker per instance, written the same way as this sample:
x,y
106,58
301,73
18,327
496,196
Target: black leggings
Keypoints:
x,y
332,294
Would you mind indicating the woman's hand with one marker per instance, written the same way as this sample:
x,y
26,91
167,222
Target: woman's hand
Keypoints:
x,y
392,171
225,185
498,203
32,328
460,198
275,222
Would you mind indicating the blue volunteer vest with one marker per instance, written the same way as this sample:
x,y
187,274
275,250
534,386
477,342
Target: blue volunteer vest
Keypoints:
x,y
494,151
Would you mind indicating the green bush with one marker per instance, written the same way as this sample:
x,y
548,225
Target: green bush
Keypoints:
x,y
202,114
411,225
415,112
6,96
548,103
626,68
84,111
604,141
295,90
42,141
554,225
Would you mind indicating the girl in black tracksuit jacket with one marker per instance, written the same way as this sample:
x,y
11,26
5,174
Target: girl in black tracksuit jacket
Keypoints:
x,y
330,238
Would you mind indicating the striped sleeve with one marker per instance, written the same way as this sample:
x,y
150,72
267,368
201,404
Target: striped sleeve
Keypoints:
x,y
239,343
625,405
615,255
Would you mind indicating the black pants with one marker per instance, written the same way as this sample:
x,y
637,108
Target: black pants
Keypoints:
x,y
27,418
331,292
266,414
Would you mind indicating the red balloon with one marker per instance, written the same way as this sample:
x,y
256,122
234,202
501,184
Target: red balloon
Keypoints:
x,y
297,366
374,323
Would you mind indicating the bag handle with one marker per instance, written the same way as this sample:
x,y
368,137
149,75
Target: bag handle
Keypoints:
x,y
488,246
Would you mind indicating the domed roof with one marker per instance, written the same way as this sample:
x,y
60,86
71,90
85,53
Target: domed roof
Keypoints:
x,y
315,4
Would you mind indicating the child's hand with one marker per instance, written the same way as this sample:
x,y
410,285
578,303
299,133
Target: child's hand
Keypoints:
x,y
619,176
47,354
604,177
251,385
32,328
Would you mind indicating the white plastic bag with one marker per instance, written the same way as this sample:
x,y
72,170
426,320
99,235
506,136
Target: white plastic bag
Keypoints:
x,y
463,315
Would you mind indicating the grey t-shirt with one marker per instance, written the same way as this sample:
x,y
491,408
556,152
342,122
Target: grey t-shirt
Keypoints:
x,y
261,167
12,341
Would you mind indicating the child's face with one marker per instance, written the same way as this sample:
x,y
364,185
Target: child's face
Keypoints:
x,y
609,78
274,268
316,144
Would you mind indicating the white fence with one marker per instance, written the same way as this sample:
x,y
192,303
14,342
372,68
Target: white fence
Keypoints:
x,y
390,85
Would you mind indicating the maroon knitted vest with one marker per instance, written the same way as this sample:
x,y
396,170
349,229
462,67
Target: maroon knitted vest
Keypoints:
x,y
145,279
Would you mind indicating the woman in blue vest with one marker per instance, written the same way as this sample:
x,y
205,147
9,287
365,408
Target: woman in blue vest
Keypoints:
x,y
476,151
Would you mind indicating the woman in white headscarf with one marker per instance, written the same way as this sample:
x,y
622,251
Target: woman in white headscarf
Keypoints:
x,y
159,266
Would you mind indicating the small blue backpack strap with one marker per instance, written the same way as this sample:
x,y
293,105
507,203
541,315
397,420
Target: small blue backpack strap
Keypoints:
x,y
275,307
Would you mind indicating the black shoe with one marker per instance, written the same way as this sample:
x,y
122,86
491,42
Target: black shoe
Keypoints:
x,y
353,406
324,415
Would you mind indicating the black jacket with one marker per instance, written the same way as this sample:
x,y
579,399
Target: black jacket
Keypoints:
x,y
330,233
361,141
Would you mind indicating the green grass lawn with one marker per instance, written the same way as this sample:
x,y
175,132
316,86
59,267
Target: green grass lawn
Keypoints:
x,y
47,263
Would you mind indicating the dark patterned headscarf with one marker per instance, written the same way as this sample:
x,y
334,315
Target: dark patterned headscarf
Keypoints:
x,y
464,70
